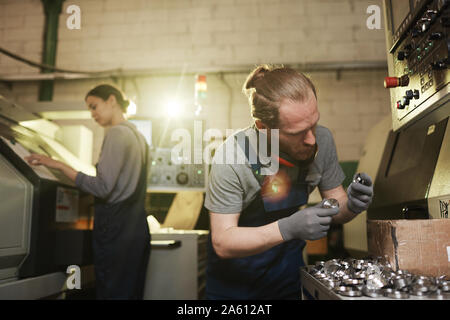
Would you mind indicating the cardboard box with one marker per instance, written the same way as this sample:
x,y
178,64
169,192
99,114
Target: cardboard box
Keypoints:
x,y
317,247
419,246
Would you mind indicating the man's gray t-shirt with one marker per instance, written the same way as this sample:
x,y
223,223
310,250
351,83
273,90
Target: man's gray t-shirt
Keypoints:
x,y
232,187
119,165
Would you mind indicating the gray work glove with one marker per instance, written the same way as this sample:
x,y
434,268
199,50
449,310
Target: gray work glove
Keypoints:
x,y
311,223
360,195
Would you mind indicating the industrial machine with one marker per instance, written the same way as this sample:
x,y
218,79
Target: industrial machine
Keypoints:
x,y
417,39
44,219
413,177
170,176
409,157
176,154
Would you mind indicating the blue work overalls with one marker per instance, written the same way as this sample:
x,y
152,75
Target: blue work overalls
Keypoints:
x,y
273,274
121,243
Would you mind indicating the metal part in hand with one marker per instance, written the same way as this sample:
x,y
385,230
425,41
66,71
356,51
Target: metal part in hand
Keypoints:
x,y
330,203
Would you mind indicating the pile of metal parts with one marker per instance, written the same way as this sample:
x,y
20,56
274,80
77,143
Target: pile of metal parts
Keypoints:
x,y
376,278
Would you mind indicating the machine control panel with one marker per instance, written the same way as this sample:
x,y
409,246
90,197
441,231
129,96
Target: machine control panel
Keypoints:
x,y
166,174
420,56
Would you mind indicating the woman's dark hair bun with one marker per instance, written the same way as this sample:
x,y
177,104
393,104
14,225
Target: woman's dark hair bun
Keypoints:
x,y
104,91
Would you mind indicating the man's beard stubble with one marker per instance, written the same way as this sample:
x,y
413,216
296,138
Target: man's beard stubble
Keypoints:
x,y
309,156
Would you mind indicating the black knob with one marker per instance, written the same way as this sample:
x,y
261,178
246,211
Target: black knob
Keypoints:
x,y
409,94
435,36
415,32
432,15
416,94
182,178
405,101
424,24
439,65
408,47
401,55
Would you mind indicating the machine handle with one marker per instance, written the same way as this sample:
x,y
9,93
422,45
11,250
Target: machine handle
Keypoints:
x,y
165,244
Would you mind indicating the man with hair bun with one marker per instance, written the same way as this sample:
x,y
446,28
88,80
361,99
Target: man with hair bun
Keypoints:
x,y
258,230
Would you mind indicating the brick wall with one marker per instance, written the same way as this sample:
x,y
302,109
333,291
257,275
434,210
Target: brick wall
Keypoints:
x,y
209,35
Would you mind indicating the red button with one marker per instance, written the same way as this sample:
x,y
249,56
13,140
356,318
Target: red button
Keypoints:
x,y
391,82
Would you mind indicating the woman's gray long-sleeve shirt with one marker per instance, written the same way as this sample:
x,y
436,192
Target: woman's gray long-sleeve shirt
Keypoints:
x,y
118,167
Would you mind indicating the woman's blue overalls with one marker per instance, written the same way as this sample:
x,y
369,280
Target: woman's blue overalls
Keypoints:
x,y
121,243
273,274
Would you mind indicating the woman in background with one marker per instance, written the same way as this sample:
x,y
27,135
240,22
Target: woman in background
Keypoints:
x,y
121,237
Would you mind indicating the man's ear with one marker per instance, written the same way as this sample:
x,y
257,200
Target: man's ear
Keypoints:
x,y
260,125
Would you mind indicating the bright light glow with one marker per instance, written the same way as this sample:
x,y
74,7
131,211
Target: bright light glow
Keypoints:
x,y
61,115
173,108
198,110
131,109
201,86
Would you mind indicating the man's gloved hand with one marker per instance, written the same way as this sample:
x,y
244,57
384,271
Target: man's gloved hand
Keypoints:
x,y
359,194
311,223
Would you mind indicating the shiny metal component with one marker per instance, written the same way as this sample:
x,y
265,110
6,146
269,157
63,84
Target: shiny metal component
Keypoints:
x,y
419,287
348,291
320,264
350,282
388,274
419,293
359,179
360,275
395,294
399,282
373,293
330,203
419,290
358,264
376,282
375,278
445,286
440,295
402,272
328,283
331,266
320,275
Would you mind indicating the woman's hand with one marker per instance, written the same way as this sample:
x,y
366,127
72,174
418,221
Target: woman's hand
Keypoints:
x,y
39,159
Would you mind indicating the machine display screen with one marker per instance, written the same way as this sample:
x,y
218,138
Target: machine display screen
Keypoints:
x,y
21,151
407,155
399,10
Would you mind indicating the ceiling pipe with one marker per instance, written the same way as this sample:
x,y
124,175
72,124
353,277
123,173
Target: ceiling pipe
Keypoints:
x,y
52,9
305,67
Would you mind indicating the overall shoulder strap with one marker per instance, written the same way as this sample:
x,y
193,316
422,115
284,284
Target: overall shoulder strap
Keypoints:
x,y
144,153
250,154
142,181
